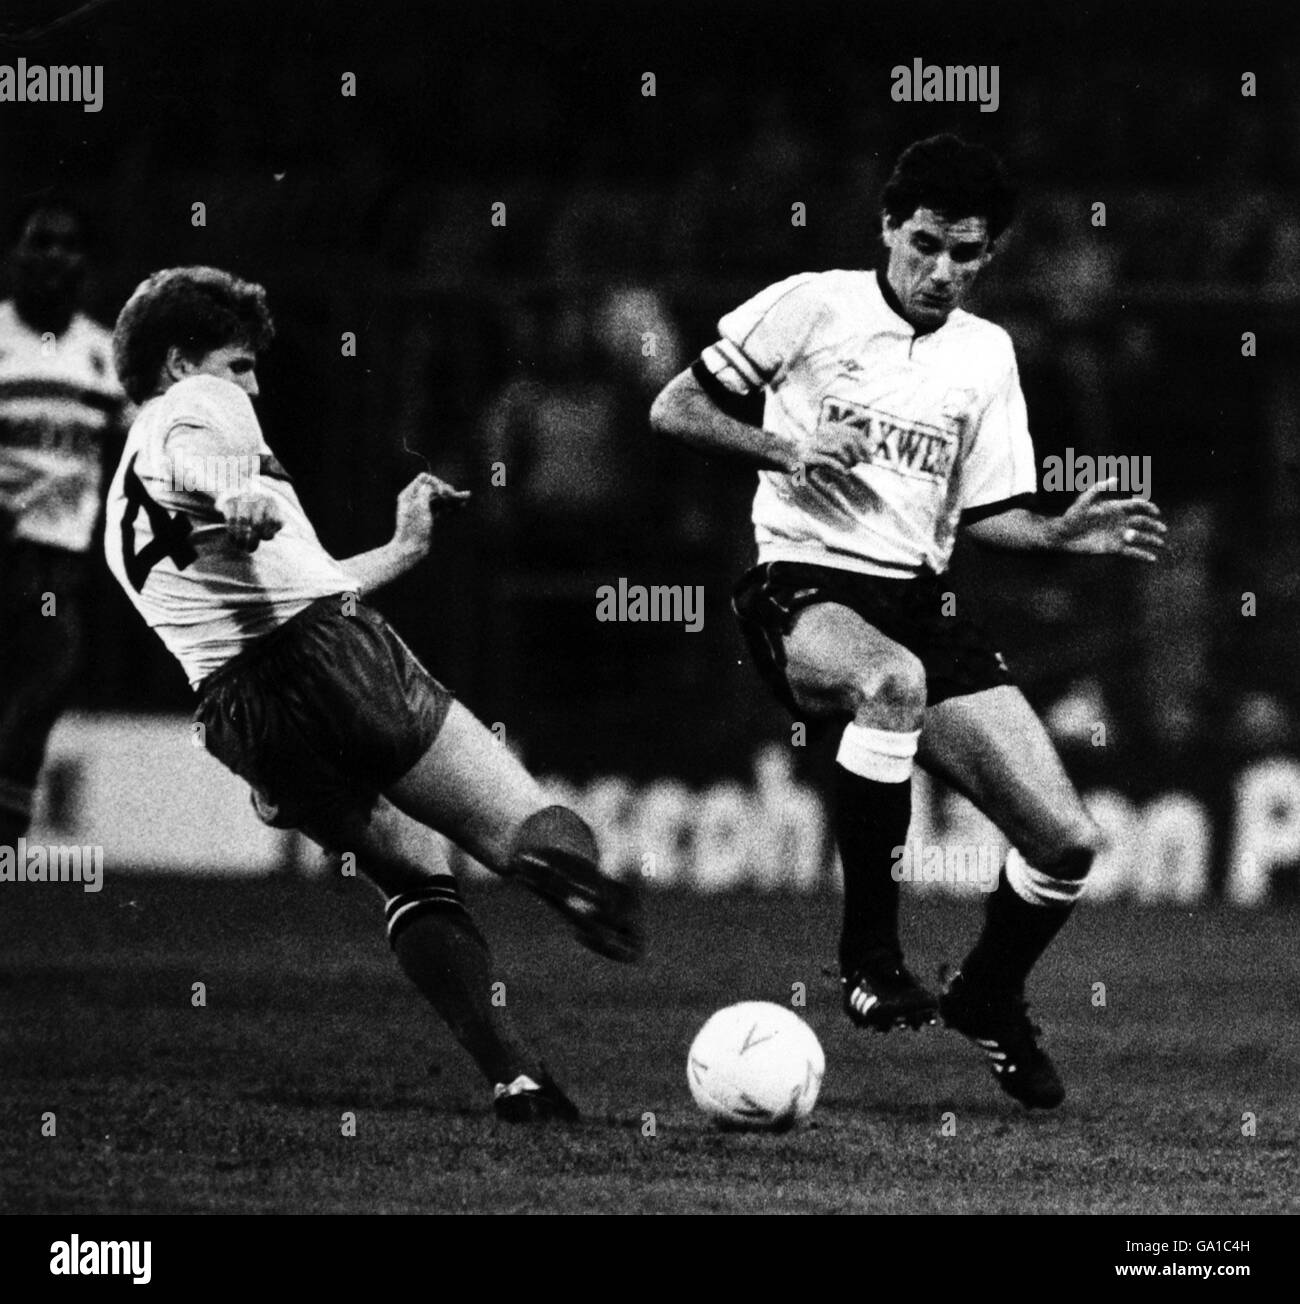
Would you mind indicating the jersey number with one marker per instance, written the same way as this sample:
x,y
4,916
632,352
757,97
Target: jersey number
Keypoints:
x,y
171,534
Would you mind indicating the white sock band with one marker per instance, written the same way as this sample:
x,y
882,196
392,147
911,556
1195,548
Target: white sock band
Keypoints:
x,y
1038,887
880,754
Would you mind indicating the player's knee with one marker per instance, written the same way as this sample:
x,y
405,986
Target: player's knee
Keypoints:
x,y
393,874
397,853
890,695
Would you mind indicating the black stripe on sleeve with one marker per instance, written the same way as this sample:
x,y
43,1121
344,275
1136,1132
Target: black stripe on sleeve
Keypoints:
x,y
985,510
742,407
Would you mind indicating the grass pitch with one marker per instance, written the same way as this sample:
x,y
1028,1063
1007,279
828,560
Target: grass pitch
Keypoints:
x,y
1181,1085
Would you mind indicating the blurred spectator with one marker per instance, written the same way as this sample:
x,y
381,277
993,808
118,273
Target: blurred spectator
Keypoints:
x,y
61,409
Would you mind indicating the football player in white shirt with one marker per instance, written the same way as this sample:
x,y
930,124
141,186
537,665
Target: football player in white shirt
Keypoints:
x,y
882,418
60,417
305,691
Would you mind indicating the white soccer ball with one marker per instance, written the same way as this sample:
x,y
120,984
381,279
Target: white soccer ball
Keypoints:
x,y
756,1065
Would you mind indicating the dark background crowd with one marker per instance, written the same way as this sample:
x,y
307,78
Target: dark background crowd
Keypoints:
x,y
632,222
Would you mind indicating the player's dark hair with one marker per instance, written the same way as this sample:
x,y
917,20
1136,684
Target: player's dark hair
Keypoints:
x,y
195,309
955,179
50,201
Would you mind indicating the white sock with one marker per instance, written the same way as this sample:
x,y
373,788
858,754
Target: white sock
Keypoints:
x,y
1038,887
884,755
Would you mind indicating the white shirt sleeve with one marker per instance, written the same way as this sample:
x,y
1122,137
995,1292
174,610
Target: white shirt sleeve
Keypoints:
x,y
763,337
211,447
1000,463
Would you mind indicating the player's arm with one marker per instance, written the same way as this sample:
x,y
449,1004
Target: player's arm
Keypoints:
x,y
418,505
698,409
1129,527
999,479
210,463
209,469
717,405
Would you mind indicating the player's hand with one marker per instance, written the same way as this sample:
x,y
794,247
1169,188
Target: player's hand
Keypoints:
x,y
825,460
1129,526
251,516
418,505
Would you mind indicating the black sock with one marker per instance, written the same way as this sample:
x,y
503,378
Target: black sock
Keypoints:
x,y
447,958
870,820
1016,933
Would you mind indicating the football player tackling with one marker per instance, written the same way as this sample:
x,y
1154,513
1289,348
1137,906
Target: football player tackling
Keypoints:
x,y
882,419
306,692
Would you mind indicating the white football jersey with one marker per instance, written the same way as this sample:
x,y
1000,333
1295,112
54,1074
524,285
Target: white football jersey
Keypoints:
x,y
166,540
938,421
59,401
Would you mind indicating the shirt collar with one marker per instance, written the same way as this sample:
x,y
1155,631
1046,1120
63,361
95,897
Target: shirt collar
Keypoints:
x,y
895,306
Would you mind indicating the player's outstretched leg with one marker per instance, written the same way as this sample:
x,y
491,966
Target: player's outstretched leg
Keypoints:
x,y
554,855
442,952
991,746
836,659
470,787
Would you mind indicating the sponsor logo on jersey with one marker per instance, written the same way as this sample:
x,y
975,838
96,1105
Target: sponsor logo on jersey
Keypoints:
x,y
878,438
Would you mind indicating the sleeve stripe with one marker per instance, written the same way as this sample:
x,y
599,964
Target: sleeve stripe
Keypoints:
x,y
979,513
736,356
743,406
725,372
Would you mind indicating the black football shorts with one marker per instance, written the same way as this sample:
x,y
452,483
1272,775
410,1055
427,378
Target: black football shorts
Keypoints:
x,y
323,713
958,657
